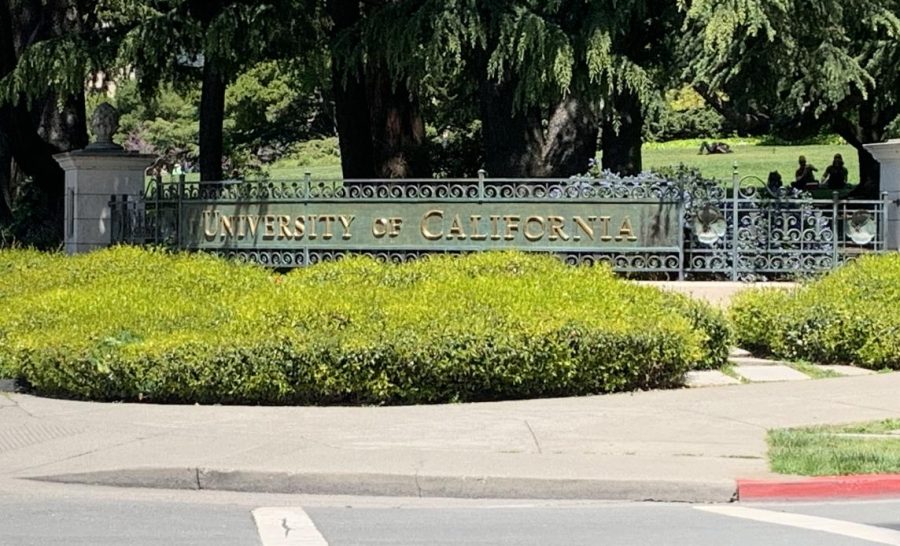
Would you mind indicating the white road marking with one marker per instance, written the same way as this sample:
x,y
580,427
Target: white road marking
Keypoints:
x,y
871,533
278,526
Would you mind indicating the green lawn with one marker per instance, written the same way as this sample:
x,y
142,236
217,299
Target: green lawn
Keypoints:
x,y
867,448
751,159
755,160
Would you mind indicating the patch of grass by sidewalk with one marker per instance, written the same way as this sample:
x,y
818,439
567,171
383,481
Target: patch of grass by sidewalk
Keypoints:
x,y
865,448
813,371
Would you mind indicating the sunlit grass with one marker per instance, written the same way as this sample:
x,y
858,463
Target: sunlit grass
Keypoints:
x,y
752,159
865,448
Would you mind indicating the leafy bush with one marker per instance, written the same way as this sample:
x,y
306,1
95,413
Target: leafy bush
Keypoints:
x,y
843,317
130,324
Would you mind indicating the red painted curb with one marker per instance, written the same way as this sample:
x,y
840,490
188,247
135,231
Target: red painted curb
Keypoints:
x,y
868,485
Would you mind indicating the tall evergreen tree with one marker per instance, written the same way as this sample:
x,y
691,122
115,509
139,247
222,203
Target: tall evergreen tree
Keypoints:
x,y
543,70
36,121
801,65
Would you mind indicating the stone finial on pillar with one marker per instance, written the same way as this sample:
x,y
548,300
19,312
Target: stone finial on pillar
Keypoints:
x,y
104,124
888,156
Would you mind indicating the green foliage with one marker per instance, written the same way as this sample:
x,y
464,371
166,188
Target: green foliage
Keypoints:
x,y
456,153
165,123
776,57
130,324
840,318
313,153
836,450
33,221
545,49
275,104
683,114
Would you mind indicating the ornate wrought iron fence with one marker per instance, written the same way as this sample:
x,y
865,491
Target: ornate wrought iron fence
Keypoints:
x,y
753,231
642,225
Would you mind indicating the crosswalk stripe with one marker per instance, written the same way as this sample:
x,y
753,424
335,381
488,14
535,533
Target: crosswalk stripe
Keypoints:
x,y
278,526
871,533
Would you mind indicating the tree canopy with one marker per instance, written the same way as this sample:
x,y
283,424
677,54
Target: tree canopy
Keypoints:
x,y
423,87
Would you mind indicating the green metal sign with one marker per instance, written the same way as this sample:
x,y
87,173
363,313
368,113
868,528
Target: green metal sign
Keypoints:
x,y
559,226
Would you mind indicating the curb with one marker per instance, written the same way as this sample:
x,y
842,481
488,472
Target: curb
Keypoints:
x,y
397,485
11,385
821,488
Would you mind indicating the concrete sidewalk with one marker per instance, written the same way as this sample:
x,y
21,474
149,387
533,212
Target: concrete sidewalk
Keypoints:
x,y
685,445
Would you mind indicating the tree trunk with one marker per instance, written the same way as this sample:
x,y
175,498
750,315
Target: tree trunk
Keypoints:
x,y
868,129
61,129
6,188
623,123
398,130
513,139
212,115
62,123
351,106
571,138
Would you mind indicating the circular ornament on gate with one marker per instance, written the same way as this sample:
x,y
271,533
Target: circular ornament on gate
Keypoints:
x,y
861,227
709,224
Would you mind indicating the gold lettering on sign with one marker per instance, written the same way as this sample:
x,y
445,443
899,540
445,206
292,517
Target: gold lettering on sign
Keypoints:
x,y
495,229
210,229
227,227
424,227
626,232
396,222
328,220
585,227
299,227
269,223
284,227
512,225
604,228
387,226
474,224
529,233
379,227
556,228
456,230
345,223
253,224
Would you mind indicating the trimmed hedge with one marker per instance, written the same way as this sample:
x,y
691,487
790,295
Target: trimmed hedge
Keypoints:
x,y
132,324
845,317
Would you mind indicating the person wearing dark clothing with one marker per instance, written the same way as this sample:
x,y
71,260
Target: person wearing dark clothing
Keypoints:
x,y
836,174
804,175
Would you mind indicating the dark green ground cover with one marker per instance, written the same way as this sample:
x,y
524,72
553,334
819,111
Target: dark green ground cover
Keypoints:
x,y
130,324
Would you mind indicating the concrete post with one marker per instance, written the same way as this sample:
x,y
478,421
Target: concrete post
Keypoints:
x,y
93,176
888,155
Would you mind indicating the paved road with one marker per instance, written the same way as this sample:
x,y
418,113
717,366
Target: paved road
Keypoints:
x,y
51,514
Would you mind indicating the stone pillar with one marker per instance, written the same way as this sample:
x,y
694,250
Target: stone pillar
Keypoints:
x,y
91,179
888,155
93,175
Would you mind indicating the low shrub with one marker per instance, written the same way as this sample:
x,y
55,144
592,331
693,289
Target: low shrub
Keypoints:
x,y
131,324
844,317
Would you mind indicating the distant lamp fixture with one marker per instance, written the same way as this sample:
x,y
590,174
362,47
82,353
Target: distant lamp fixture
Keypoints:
x,y
861,227
709,224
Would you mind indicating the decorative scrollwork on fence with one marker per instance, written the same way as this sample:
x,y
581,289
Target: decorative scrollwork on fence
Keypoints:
x,y
746,231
